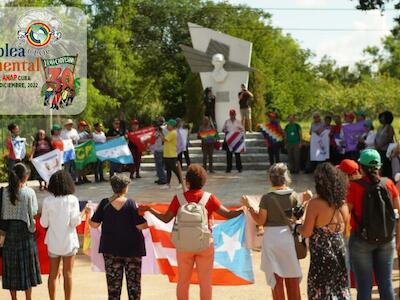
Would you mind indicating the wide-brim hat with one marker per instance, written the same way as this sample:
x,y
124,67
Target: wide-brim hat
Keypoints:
x,y
68,122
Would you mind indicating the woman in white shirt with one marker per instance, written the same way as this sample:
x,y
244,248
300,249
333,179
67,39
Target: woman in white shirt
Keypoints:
x,y
61,216
368,138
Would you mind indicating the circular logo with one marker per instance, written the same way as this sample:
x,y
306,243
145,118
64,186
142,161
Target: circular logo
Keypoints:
x,y
38,34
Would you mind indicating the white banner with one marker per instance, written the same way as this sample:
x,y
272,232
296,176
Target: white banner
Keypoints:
x,y
47,164
319,146
19,147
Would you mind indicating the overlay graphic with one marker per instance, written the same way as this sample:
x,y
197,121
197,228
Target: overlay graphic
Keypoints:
x,y
43,61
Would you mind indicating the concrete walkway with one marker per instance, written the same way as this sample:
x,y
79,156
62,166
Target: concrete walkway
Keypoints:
x,y
228,187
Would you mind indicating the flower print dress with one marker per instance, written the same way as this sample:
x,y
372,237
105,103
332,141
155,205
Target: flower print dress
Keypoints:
x,y
327,276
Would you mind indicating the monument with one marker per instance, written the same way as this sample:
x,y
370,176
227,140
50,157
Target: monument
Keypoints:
x,y
223,62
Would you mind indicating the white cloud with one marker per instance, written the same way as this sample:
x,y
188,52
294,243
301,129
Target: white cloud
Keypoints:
x,y
347,48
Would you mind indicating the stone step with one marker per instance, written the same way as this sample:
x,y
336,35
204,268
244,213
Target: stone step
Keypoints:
x,y
249,135
220,166
249,150
250,142
219,156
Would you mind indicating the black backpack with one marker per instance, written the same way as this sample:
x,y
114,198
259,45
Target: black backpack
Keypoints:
x,y
377,225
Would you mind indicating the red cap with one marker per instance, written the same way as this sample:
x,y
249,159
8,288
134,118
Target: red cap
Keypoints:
x,y
82,123
348,166
232,112
134,122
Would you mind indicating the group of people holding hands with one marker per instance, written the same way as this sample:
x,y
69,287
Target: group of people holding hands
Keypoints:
x,y
340,221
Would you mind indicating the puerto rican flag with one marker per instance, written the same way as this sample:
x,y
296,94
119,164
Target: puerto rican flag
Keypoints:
x,y
232,259
236,141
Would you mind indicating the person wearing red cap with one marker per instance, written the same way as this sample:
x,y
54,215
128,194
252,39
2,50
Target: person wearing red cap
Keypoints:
x,y
136,153
350,168
232,125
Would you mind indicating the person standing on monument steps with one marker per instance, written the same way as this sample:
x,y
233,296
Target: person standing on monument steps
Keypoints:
x,y
209,103
245,107
232,125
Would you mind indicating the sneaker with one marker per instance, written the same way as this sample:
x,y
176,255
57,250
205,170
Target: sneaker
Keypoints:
x,y
227,171
138,176
165,187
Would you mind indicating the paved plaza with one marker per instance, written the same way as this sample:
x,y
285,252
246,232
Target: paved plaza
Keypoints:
x,y
229,188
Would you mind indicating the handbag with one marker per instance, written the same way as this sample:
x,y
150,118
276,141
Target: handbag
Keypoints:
x,y
299,242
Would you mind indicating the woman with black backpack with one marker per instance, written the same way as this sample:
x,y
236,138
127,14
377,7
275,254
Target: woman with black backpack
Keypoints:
x,y
372,201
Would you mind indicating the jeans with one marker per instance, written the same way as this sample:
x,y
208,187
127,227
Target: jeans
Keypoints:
x,y
367,259
158,158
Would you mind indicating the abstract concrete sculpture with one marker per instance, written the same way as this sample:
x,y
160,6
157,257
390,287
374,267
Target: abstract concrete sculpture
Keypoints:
x,y
223,62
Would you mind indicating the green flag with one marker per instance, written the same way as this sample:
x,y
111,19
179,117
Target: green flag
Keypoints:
x,y
85,154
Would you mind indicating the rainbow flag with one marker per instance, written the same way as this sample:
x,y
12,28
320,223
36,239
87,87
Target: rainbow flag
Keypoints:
x,y
210,133
272,133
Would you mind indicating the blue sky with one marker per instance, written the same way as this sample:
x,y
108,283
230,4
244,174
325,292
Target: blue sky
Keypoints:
x,y
344,46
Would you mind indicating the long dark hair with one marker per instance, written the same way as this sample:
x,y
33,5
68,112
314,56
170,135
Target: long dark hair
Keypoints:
x,y
16,176
331,184
372,173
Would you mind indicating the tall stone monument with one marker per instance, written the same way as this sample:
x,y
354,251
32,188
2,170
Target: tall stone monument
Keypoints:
x,y
223,62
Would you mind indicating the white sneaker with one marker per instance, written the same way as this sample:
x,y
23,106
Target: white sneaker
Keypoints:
x,y
165,187
179,187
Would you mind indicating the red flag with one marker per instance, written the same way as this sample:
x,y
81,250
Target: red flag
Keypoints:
x,y
44,260
143,138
